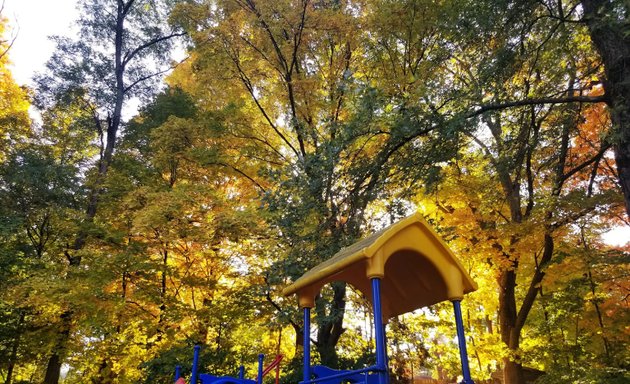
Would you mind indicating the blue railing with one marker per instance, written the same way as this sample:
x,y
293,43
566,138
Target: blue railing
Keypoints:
x,y
347,374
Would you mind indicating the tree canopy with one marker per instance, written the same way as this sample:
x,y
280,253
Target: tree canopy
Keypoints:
x,y
292,129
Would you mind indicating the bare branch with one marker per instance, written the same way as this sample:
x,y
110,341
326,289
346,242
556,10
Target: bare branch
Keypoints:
x,y
264,142
534,283
250,88
586,163
4,52
149,76
545,100
139,306
244,175
126,7
13,38
130,55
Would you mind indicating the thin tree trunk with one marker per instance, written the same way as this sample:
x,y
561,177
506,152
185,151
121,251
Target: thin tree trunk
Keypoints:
x,y
472,341
592,285
161,326
14,350
548,328
113,124
600,318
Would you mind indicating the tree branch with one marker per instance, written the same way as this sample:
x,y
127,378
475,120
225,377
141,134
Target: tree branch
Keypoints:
x,y
244,175
126,7
295,325
532,290
13,38
250,88
545,100
130,55
586,163
147,77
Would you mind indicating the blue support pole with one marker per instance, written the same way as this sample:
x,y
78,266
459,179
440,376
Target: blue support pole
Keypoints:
x,y
307,344
178,372
241,372
259,378
461,339
379,331
193,376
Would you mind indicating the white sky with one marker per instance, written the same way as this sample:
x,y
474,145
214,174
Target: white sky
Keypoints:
x,y
34,21
618,236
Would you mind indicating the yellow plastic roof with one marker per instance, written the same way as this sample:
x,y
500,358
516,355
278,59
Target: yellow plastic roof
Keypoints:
x,y
416,268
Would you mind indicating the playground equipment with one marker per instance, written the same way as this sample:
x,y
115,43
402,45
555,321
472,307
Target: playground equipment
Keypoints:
x,y
207,378
401,268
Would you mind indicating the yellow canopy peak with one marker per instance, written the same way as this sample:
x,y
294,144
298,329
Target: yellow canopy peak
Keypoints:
x,y
417,269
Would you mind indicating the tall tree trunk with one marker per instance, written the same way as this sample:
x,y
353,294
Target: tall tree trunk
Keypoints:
x,y
608,33
122,59
113,125
330,326
510,334
53,369
161,327
512,372
593,287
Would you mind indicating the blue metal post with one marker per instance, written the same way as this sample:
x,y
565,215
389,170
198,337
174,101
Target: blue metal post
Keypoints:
x,y
379,331
307,344
178,372
193,376
259,378
241,372
461,339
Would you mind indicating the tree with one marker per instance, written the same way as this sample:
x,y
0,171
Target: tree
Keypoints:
x,y
174,230
518,64
295,128
308,91
40,199
108,64
605,22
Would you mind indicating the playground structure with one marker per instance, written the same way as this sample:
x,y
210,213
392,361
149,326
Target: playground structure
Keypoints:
x,y
207,378
401,268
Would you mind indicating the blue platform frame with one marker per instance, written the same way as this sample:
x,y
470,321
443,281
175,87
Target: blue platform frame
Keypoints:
x,y
381,367
365,375
208,378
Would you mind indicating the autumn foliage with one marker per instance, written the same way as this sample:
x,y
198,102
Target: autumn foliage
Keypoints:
x,y
293,129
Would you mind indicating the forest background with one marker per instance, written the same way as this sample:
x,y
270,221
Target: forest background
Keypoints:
x,y
290,130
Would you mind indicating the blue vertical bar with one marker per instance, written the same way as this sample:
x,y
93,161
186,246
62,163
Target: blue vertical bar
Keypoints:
x,y
259,378
461,339
307,344
193,376
241,372
178,372
379,331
